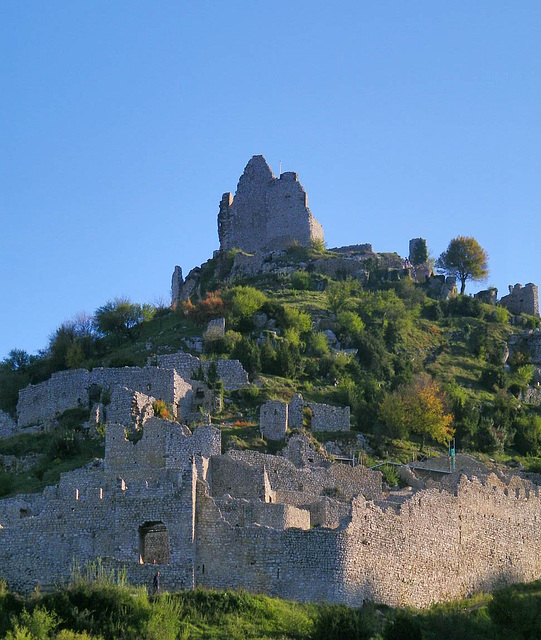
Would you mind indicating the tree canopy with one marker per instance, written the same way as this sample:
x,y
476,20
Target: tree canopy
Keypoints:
x,y
465,259
418,407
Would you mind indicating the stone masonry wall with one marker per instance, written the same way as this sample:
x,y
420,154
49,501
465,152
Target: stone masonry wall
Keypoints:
x,y
324,417
522,299
433,545
130,408
67,389
267,213
8,426
104,523
164,447
231,372
273,420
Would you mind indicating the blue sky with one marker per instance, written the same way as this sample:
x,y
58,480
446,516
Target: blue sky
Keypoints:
x,y
124,122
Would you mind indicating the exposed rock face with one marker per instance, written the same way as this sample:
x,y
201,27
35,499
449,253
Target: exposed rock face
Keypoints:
x,y
522,299
267,213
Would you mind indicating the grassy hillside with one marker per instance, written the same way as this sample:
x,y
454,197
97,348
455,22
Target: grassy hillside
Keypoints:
x,y
334,340
104,609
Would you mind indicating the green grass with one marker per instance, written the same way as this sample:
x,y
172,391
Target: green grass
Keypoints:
x,y
100,608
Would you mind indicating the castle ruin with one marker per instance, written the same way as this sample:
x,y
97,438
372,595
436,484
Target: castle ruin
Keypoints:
x,y
522,299
266,213
294,525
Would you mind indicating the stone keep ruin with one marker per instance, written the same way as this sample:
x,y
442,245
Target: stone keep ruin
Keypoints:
x,y
269,215
293,525
266,213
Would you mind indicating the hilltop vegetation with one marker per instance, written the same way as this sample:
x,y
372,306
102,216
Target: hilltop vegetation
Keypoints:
x,y
334,340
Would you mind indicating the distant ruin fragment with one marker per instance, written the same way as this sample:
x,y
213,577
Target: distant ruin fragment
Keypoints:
x,y
522,299
266,213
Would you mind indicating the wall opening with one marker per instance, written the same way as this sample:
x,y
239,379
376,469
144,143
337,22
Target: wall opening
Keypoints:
x,y
153,543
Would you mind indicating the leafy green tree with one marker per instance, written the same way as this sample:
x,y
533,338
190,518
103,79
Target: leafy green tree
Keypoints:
x,y
119,317
465,259
247,351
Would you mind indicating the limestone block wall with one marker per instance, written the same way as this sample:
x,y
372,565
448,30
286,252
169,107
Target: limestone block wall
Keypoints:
x,y
329,513
8,426
324,417
240,512
64,390
442,546
231,372
129,407
241,474
328,418
273,420
267,213
42,548
522,299
67,389
164,446
303,565
302,452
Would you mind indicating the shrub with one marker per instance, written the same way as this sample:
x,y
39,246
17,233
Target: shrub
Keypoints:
x,y
243,302
160,409
528,435
318,343
301,280
295,319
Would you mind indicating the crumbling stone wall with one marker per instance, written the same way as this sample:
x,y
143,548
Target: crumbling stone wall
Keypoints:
x,y
324,417
231,372
273,420
8,426
165,447
68,389
267,213
522,299
106,522
250,475
431,545
130,408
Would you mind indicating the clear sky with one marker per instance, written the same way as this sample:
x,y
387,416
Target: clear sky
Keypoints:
x,y
122,123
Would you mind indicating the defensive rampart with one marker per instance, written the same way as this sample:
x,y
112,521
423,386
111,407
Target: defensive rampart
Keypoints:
x,y
248,520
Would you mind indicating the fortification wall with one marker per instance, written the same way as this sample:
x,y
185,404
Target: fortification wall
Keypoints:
x,y
129,407
241,474
522,299
276,419
231,372
440,546
273,420
42,548
328,418
164,447
303,565
67,389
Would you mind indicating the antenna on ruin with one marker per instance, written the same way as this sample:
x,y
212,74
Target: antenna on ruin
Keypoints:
x,y
280,168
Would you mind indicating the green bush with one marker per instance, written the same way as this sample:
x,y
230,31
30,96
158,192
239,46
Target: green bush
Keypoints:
x,y
301,280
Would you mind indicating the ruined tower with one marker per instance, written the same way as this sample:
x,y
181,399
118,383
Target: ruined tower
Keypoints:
x,y
266,213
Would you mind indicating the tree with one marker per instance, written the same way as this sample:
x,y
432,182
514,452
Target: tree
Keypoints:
x,y
465,259
120,317
418,407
